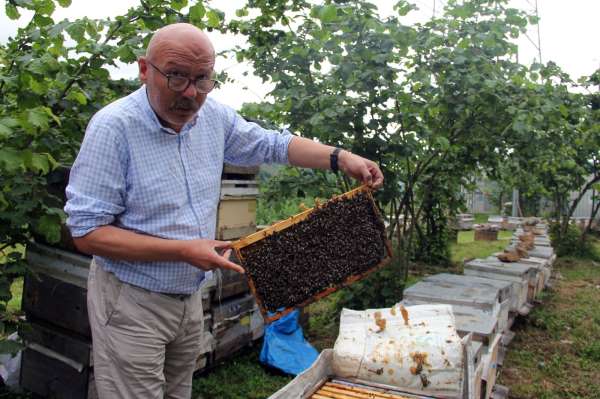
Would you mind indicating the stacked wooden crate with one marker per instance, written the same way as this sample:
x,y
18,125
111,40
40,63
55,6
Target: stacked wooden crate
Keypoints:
x,y
235,321
463,221
57,360
487,299
480,308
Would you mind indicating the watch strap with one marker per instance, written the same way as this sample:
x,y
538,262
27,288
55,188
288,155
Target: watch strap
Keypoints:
x,y
333,159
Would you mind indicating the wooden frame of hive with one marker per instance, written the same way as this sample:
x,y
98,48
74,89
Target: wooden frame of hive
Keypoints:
x,y
237,246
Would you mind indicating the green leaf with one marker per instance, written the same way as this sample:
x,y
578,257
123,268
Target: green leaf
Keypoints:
x,y
11,11
328,13
3,202
36,162
77,31
45,7
77,96
5,131
242,12
178,4
197,12
11,160
38,117
10,347
64,3
443,143
214,19
49,226
564,111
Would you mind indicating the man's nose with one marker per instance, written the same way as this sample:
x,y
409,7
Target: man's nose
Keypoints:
x,y
190,91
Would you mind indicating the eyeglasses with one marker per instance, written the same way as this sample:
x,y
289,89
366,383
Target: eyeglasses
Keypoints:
x,y
181,83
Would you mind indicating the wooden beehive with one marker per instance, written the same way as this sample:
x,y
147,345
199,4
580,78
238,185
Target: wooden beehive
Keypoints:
x,y
326,232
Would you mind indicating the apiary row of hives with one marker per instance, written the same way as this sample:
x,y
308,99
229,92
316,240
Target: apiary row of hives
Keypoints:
x,y
484,302
57,360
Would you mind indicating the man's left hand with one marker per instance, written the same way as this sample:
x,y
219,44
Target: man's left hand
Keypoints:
x,y
360,169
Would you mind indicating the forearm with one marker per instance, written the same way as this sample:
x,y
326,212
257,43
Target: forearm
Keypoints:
x,y
116,243
310,154
306,153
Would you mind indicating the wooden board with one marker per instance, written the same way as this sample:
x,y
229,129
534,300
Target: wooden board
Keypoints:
x,y
287,223
504,288
231,310
339,389
236,217
240,170
57,302
60,341
454,294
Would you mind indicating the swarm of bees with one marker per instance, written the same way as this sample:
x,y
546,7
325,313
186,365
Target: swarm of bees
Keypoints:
x,y
342,238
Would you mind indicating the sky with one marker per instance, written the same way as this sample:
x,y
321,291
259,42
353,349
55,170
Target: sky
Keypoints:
x,y
568,32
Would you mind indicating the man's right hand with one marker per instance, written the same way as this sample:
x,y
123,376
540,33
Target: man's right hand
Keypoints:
x,y
208,254
117,243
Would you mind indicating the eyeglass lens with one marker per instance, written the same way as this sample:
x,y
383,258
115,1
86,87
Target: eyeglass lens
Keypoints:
x,y
180,83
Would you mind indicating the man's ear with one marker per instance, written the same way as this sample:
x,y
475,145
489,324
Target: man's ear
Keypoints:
x,y
143,69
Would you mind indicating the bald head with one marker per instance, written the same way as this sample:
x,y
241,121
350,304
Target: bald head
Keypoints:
x,y
178,35
178,51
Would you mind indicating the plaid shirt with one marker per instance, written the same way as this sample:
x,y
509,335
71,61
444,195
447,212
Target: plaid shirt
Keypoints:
x,y
133,173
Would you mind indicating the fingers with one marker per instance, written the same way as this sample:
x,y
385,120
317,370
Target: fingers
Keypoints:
x,y
221,244
223,262
227,264
377,176
366,177
370,174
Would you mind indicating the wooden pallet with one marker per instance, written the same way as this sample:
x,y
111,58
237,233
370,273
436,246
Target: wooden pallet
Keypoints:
x,y
277,227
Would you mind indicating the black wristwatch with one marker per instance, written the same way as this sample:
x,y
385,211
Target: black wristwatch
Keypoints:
x,y
333,159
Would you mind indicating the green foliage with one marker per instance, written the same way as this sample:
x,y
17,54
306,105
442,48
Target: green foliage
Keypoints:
x,y
592,351
571,242
381,289
53,77
432,103
292,190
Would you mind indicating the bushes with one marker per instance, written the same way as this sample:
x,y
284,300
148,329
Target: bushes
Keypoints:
x,y
380,289
571,242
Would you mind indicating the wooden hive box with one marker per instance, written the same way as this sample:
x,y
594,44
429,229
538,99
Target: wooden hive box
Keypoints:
x,y
238,199
522,277
314,253
504,289
57,293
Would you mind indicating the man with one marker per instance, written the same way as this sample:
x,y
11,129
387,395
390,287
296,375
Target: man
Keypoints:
x,y
142,198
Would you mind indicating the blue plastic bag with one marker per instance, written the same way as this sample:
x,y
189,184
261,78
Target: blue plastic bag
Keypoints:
x,y
284,346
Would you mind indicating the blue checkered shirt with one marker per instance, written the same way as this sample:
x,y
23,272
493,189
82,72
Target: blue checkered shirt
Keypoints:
x,y
133,173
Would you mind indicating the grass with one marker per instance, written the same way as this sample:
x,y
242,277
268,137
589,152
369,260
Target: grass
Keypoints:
x,y
556,352
467,248
481,217
240,378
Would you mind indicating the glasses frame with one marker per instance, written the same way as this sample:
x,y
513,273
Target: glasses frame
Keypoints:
x,y
190,81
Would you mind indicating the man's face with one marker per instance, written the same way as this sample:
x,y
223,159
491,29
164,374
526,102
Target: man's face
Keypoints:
x,y
176,59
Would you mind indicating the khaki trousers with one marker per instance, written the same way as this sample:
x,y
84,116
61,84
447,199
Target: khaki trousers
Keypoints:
x,y
145,344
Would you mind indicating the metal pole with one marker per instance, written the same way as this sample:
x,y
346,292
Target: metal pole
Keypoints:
x,y
539,45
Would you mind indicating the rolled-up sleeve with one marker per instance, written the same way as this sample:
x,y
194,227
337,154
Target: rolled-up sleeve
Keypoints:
x,y
97,183
247,143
